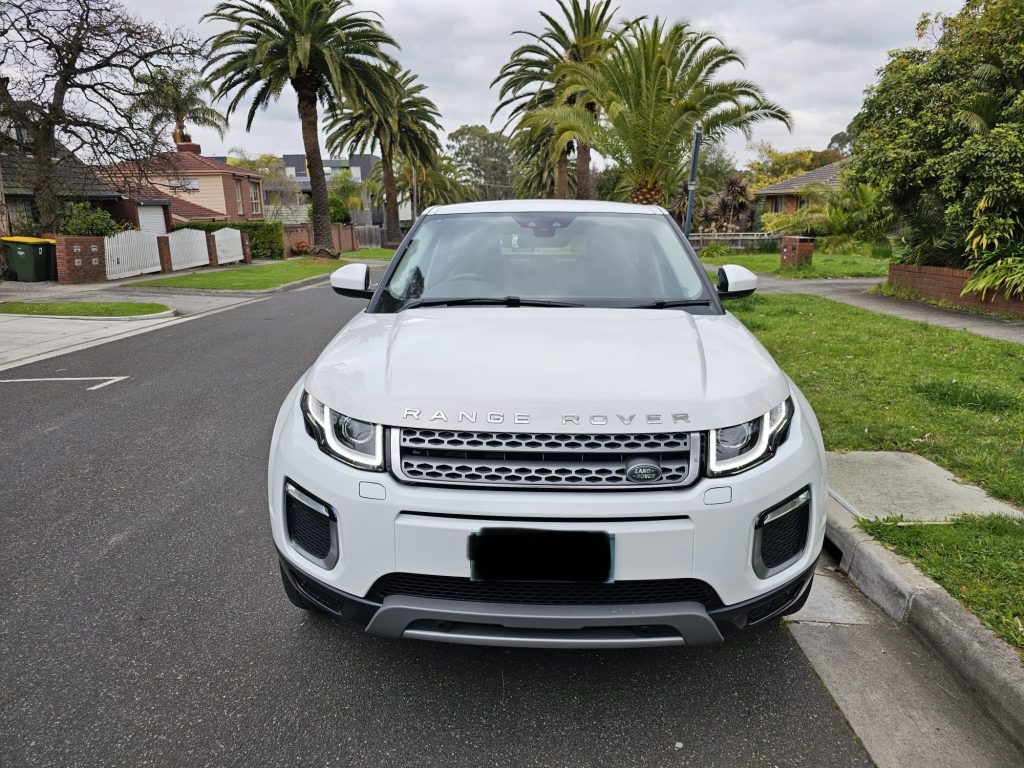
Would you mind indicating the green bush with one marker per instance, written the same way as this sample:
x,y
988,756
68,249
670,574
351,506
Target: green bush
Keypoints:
x,y
715,251
266,238
86,220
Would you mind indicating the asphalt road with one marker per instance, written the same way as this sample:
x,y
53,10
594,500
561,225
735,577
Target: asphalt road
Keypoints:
x,y
143,621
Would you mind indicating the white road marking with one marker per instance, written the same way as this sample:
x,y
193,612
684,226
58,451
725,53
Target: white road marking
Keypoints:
x,y
107,380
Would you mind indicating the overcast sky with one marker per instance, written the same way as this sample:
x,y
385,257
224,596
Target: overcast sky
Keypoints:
x,y
815,57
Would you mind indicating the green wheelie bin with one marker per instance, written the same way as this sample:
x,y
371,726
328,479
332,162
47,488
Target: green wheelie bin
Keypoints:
x,y
32,259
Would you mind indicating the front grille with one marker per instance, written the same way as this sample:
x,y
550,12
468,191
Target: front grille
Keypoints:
x,y
308,530
523,460
784,539
546,592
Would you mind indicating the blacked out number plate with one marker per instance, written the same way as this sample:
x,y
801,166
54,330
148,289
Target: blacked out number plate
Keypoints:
x,y
523,554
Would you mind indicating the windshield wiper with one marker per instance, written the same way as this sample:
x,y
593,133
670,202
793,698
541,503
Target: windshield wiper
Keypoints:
x,y
507,301
668,304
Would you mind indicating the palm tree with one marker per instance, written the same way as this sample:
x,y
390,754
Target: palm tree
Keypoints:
x,y
399,121
321,48
651,90
529,80
178,97
438,184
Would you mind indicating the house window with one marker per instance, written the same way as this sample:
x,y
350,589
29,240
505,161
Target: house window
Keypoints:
x,y
238,196
255,196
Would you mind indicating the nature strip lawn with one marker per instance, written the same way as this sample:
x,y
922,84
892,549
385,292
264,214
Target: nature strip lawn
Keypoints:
x,y
251,278
373,253
81,308
823,265
882,383
980,560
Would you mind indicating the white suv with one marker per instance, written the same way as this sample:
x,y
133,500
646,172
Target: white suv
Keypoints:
x,y
545,430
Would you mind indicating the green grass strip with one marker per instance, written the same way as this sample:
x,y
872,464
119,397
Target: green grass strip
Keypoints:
x,y
979,560
248,278
81,308
881,383
823,265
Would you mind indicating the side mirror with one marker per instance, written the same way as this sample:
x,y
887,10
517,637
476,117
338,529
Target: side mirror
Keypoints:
x,y
735,282
352,280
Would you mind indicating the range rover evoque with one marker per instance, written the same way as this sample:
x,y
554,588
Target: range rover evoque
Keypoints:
x,y
545,430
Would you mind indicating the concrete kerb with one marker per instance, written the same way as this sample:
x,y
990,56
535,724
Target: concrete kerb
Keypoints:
x,y
153,316
991,670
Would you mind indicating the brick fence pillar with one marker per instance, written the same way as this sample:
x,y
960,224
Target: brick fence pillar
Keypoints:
x,y
246,253
211,248
163,247
80,260
797,251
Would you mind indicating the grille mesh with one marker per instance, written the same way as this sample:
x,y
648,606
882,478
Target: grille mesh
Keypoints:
x,y
444,457
785,538
307,528
546,592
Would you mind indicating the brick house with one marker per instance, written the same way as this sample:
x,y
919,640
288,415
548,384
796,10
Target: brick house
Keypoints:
x,y
200,188
74,180
786,196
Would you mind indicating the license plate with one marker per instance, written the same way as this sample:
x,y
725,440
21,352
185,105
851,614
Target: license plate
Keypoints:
x,y
523,554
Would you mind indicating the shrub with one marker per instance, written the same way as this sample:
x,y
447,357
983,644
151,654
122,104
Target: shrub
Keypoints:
x,y
300,248
86,220
715,251
266,238
999,270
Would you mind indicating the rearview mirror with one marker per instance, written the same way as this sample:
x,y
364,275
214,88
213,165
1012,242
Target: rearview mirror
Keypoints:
x,y
735,282
352,280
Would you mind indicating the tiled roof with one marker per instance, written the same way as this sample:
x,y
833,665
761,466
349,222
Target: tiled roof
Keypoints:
x,y
190,162
188,211
827,175
167,163
72,177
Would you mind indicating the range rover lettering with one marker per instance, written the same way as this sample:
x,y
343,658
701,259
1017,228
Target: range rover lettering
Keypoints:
x,y
545,430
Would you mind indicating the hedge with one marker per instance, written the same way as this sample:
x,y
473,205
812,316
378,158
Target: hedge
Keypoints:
x,y
266,238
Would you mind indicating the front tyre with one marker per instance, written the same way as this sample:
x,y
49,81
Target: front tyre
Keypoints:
x,y
297,598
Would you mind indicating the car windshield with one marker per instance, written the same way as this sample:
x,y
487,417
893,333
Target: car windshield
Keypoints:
x,y
545,258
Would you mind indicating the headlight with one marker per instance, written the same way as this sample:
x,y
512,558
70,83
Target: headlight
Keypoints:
x,y
356,443
735,449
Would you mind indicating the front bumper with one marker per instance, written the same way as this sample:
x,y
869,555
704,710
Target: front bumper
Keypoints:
x,y
550,626
704,532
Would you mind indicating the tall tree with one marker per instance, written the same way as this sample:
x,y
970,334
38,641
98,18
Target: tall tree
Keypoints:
x,y
530,78
437,184
72,74
941,137
177,97
652,89
484,158
321,48
400,121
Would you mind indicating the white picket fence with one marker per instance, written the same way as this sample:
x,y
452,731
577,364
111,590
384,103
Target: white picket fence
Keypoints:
x,y
229,245
131,253
188,249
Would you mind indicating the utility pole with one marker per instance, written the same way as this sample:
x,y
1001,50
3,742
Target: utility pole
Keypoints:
x,y
415,195
692,186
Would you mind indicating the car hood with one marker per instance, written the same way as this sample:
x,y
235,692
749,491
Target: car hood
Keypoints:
x,y
547,369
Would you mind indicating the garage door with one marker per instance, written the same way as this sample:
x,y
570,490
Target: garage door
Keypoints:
x,y
151,219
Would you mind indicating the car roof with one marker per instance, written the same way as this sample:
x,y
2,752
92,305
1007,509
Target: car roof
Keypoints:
x,y
533,206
